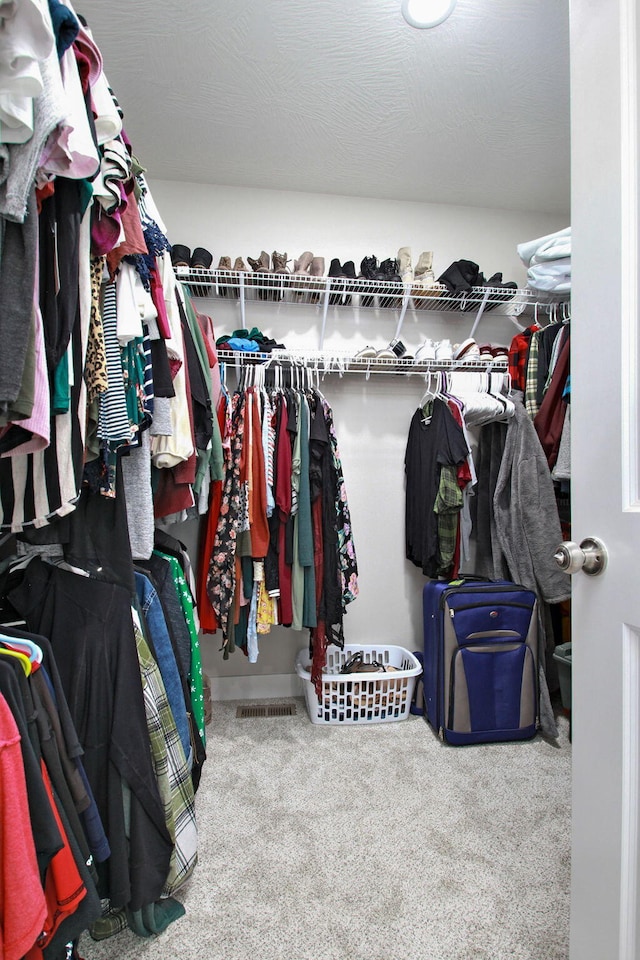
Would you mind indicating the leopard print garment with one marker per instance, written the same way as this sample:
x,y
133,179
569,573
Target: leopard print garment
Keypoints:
x,y
95,368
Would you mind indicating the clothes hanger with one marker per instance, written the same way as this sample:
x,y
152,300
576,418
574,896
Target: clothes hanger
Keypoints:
x,y
22,645
22,659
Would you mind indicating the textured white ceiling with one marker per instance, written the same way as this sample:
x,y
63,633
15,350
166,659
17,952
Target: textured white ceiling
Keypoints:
x,y
343,97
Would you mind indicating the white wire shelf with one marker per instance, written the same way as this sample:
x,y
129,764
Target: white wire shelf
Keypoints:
x,y
322,362
323,291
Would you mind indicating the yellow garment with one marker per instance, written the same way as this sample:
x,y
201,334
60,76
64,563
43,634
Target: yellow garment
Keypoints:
x,y
266,613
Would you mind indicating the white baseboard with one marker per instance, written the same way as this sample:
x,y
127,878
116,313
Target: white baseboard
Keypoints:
x,y
256,688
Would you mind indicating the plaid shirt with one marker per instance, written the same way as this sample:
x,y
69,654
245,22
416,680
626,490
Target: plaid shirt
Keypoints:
x,y
174,780
531,385
518,355
447,506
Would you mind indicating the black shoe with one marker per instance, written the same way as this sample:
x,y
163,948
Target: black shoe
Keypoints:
x,y
495,298
349,271
335,270
201,259
388,273
368,271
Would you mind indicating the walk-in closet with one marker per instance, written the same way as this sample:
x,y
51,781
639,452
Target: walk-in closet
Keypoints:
x,y
319,480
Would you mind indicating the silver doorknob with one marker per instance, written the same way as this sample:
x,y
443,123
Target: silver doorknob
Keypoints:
x,y
590,556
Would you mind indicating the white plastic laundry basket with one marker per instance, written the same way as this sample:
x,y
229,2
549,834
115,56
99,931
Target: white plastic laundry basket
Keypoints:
x,y
361,697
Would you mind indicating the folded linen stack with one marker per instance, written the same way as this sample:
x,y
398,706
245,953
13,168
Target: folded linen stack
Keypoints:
x,y
549,262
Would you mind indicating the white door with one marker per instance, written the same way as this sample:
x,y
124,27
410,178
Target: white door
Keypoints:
x,y
606,486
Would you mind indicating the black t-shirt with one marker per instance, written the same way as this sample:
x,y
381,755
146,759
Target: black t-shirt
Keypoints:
x,y
435,439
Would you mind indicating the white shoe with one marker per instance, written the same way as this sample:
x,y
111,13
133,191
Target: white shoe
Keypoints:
x,y
466,350
404,264
426,350
444,350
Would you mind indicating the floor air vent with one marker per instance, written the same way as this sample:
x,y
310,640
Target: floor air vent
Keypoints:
x,y
250,710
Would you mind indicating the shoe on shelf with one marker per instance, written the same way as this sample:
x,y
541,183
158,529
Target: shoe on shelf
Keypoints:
x,y
367,353
444,350
424,284
224,282
368,271
386,354
301,271
349,271
181,258
398,348
426,351
388,274
201,259
316,269
280,271
466,350
279,263
261,265
336,272
503,291
404,265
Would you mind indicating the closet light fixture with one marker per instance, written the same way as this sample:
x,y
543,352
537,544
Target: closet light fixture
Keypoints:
x,y
426,13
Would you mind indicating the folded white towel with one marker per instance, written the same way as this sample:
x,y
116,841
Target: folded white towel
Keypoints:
x,y
555,275
530,248
552,250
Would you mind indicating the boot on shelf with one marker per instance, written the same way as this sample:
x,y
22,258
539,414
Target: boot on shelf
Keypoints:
x,y
335,271
301,272
261,266
368,271
404,265
201,259
225,281
349,270
424,284
388,273
280,272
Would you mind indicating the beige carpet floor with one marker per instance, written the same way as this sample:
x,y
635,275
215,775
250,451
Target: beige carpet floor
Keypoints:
x,y
370,843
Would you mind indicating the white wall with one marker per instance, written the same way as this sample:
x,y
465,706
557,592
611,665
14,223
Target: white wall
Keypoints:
x,y
372,416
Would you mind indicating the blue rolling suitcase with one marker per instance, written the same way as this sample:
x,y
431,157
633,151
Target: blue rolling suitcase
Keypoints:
x,y
480,660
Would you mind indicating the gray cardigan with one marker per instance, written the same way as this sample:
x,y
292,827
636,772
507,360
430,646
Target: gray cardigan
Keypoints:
x,y
528,531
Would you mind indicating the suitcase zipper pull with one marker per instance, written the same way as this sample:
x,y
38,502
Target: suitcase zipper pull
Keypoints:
x,y
452,613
